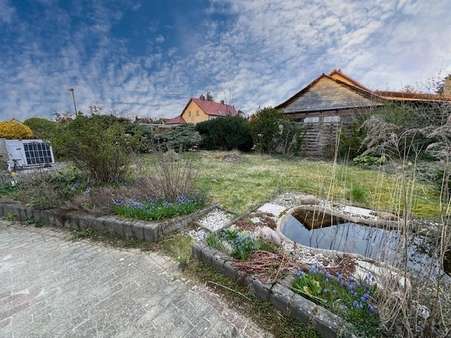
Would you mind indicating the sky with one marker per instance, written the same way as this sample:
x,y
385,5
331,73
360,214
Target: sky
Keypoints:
x,y
147,58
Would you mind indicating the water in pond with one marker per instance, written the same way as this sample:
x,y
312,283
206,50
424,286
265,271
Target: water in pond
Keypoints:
x,y
370,242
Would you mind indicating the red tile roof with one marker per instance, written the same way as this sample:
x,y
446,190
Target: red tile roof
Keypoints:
x,y
175,120
214,108
351,80
406,96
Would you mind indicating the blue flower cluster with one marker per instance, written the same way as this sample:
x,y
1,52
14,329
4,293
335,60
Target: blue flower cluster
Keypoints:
x,y
128,202
183,199
359,290
136,204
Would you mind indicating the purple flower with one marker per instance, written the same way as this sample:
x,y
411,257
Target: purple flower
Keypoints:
x,y
371,308
118,201
299,273
315,269
130,203
183,199
365,297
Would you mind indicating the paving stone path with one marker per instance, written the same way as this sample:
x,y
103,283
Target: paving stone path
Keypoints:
x,y
51,286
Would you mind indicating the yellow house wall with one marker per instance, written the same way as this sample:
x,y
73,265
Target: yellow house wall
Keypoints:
x,y
193,114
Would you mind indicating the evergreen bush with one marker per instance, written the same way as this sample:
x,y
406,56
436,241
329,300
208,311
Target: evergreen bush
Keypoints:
x,y
226,133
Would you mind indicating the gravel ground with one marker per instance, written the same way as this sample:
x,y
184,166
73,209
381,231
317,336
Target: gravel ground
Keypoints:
x,y
215,220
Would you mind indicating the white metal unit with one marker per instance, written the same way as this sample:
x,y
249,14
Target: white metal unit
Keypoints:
x,y
24,154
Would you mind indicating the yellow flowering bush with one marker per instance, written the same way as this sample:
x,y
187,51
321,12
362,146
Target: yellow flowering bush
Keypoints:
x,y
14,130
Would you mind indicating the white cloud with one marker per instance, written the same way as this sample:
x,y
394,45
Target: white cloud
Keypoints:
x,y
7,12
265,52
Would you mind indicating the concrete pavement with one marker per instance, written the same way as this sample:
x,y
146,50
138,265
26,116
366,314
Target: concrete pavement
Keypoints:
x,y
51,286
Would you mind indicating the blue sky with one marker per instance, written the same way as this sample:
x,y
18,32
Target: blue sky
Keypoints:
x,y
147,58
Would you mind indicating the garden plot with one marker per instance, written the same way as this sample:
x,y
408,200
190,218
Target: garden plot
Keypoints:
x,y
341,260
143,206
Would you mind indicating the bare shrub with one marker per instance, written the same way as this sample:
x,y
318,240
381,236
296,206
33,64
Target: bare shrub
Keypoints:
x,y
100,199
99,145
169,178
172,177
407,135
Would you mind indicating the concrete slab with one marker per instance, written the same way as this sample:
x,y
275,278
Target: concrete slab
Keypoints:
x,y
273,209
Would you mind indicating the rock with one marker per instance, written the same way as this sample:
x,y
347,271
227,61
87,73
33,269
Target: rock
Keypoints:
x,y
423,312
309,200
272,209
268,234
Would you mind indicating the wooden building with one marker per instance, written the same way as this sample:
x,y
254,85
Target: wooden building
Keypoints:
x,y
331,102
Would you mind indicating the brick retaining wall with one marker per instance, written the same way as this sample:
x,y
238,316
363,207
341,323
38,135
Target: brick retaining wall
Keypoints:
x,y
128,229
279,294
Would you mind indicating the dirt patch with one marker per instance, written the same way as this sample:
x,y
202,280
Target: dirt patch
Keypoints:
x,y
343,264
269,266
245,224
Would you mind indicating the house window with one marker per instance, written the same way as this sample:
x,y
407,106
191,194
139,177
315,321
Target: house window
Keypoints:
x,y
332,119
314,119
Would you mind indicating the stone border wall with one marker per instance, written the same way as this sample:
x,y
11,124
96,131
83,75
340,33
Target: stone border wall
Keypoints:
x,y
128,229
279,294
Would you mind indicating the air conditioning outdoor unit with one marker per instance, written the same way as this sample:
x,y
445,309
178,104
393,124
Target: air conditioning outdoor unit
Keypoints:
x,y
25,154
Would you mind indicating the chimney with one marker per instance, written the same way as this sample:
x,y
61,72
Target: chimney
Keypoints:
x,y
202,97
447,86
222,101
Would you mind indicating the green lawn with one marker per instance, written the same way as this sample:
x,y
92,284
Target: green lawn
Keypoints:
x,y
239,186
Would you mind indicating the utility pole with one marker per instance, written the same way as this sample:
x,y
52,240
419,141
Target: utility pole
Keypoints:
x,y
72,90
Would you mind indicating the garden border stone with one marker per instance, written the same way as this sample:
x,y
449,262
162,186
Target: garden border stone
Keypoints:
x,y
128,229
326,323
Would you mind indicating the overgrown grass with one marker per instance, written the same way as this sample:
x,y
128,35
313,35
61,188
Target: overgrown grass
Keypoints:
x,y
349,299
262,312
179,247
358,194
238,186
7,190
157,210
242,245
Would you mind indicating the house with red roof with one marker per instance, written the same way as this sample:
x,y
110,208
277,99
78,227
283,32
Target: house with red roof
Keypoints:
x,y
202,109
331,102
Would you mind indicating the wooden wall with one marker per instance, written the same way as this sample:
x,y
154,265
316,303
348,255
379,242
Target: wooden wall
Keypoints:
x,y
326,94
321,130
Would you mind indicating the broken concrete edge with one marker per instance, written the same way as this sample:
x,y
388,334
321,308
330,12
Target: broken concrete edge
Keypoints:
x,y
118,227
279,294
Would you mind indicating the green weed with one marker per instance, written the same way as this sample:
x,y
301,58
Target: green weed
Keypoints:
x,y
349,299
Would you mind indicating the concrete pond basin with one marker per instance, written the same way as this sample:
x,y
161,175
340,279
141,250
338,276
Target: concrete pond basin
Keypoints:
x,y
315,232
